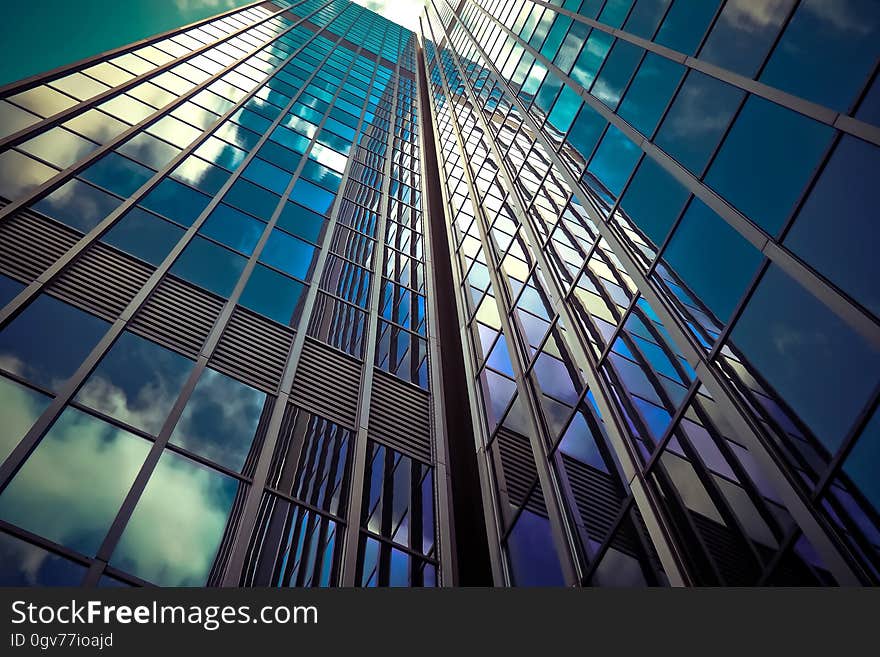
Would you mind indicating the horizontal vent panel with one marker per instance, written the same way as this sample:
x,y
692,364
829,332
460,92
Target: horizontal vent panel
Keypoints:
x,y
519,469
327,383
102,280
400,416
253,349
31,243
178,315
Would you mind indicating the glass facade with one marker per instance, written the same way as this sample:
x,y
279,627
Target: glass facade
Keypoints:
x,y
670,322
231,344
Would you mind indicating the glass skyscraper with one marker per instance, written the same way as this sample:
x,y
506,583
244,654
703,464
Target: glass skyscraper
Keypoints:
x,y
572,293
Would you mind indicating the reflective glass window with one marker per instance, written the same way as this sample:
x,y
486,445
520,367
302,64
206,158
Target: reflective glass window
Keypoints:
x,y
143,235
685,24
209,265
136,382
233,228
20,407
653,200
70,488
766,160
30,345
176,201
78,205
117,174
288,254
272,294
823,369
649,93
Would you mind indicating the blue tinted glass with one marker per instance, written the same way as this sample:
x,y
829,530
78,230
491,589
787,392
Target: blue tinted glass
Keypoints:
x,y
712,259
209,265
144,235
176,201
178,523
288,254
532,555
614,160
9,289
837,231
653,200
869,109
149,150
547,93
565,109
592,55
766,160
823,369
24,564
117,174
826,51
70,488
586,131
321,175
221,153
279,156
650,92
861,464
272,294
685,24
267,175
78,205
645,17
743,33
253,199
697,119
201,175
31,345
301,222
312,196
571,46
136,382
20,407
220,419
233,228
615,11
618,69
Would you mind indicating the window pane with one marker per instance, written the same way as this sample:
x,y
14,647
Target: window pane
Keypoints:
x,y
78,205
822,368
177,525
25,564
20,407
117,174
714,261
31,345
288,254
220,419
210,266
685,24
653,200
836,231
137,382
273,295
650,92
301,222
70,488
827,51
233,228
176,201
697,119
766,160
144,235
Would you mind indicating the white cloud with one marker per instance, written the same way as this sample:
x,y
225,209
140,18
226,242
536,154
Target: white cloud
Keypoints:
x,y
402,12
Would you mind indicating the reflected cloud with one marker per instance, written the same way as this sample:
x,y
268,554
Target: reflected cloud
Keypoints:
x,y
176,528
19,409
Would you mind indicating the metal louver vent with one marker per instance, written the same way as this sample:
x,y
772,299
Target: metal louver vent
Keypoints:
x,y
253,349
31,243
328,383
519,471
598,502
178,315
101,280
400,416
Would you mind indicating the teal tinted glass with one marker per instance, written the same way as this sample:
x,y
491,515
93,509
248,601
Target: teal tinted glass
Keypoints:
x,y
653,200
695,123
233,228
650,92
766,160
176,201
20,407
301,222
210,266
178,523
31,345
823,369
288,254
117,174
836,231
614,160
220,419
137,382
78,205
712,259
144,235
685,24
272,294
70,488
826,51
